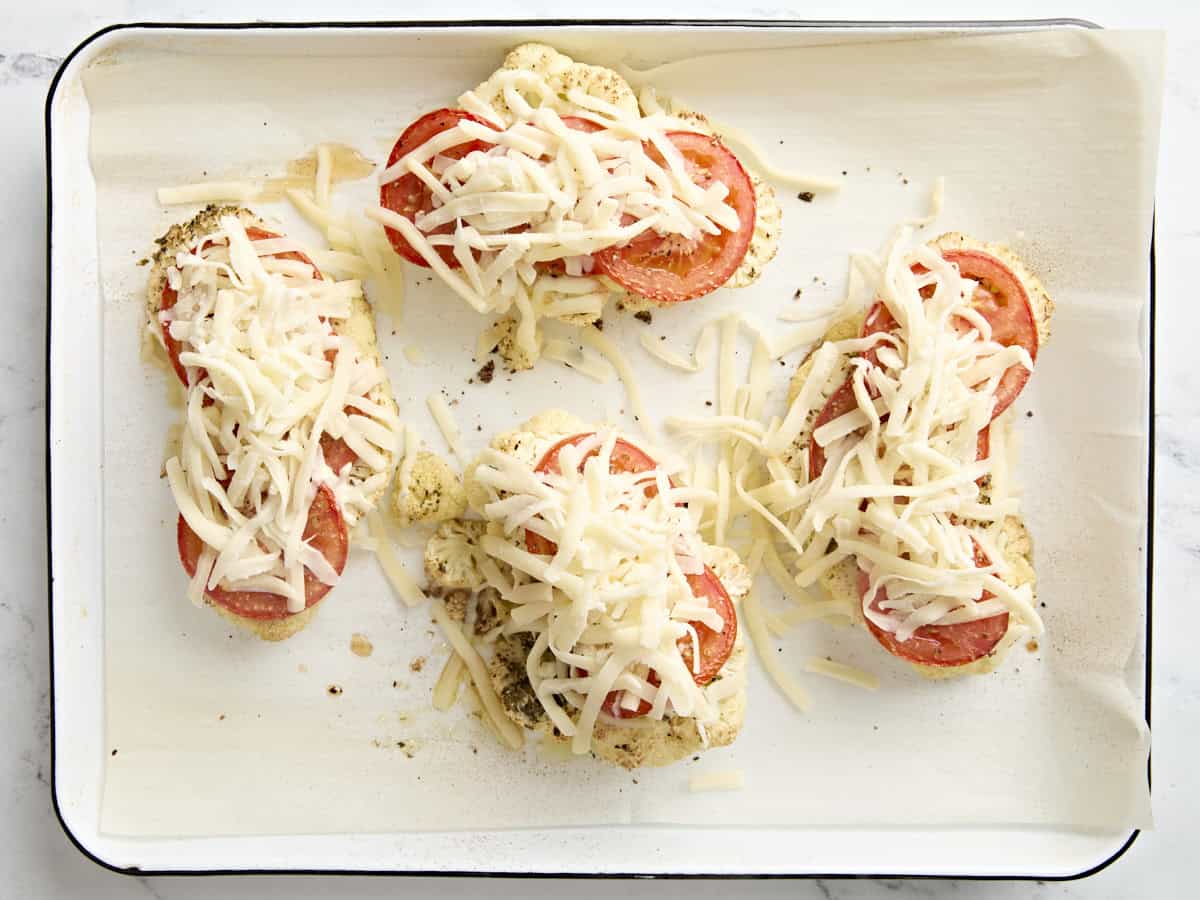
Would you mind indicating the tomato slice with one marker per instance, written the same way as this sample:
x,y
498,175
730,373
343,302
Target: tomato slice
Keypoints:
x,y
325,531
337,452
580,124
715,647
839,403
625,458
983,444
1000,298
941,645
408,195
612,703
174,347
671,268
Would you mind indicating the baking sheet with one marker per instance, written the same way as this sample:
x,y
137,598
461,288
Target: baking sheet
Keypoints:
x,y
1047,141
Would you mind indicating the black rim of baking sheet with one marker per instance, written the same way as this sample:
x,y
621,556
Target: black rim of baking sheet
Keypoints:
x,y
551,24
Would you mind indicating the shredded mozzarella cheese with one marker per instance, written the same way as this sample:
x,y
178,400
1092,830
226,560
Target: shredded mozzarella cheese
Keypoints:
x,y
756,625
705,340
734,780
446,424
269,379
819,665
899,488
594,367
318,215
402,583
504,727
207,192
748,148
610,601
535,197
445,691
613,354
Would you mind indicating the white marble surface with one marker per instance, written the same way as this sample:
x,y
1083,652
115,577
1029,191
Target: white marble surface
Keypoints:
x,y
36,859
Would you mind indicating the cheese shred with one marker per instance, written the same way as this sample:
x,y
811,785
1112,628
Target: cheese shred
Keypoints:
x,y
819,665
756,626
748,148
561,351
506,729
444,419
274,382
612,353
402,583
545,180
658,348
207,192
600,572
703,782
445,691
881,457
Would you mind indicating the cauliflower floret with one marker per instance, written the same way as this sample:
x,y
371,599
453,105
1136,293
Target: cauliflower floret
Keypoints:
x,y
562,74
764,244
433,492
518,357
451,556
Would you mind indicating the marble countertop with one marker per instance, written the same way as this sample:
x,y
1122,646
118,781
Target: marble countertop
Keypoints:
x,y
37,860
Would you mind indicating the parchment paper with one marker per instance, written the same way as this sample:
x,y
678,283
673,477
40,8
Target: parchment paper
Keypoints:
x,y
1047,141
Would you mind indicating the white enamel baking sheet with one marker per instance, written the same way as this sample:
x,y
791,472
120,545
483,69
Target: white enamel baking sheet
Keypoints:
x,y
181,745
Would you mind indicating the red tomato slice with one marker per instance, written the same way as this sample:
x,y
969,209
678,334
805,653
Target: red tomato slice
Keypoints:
x,y
839,403
1000,298
941,645
325,531
612,703
580,124
983,444
625,458
408,195
670,268
170,297
337,452
715,647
